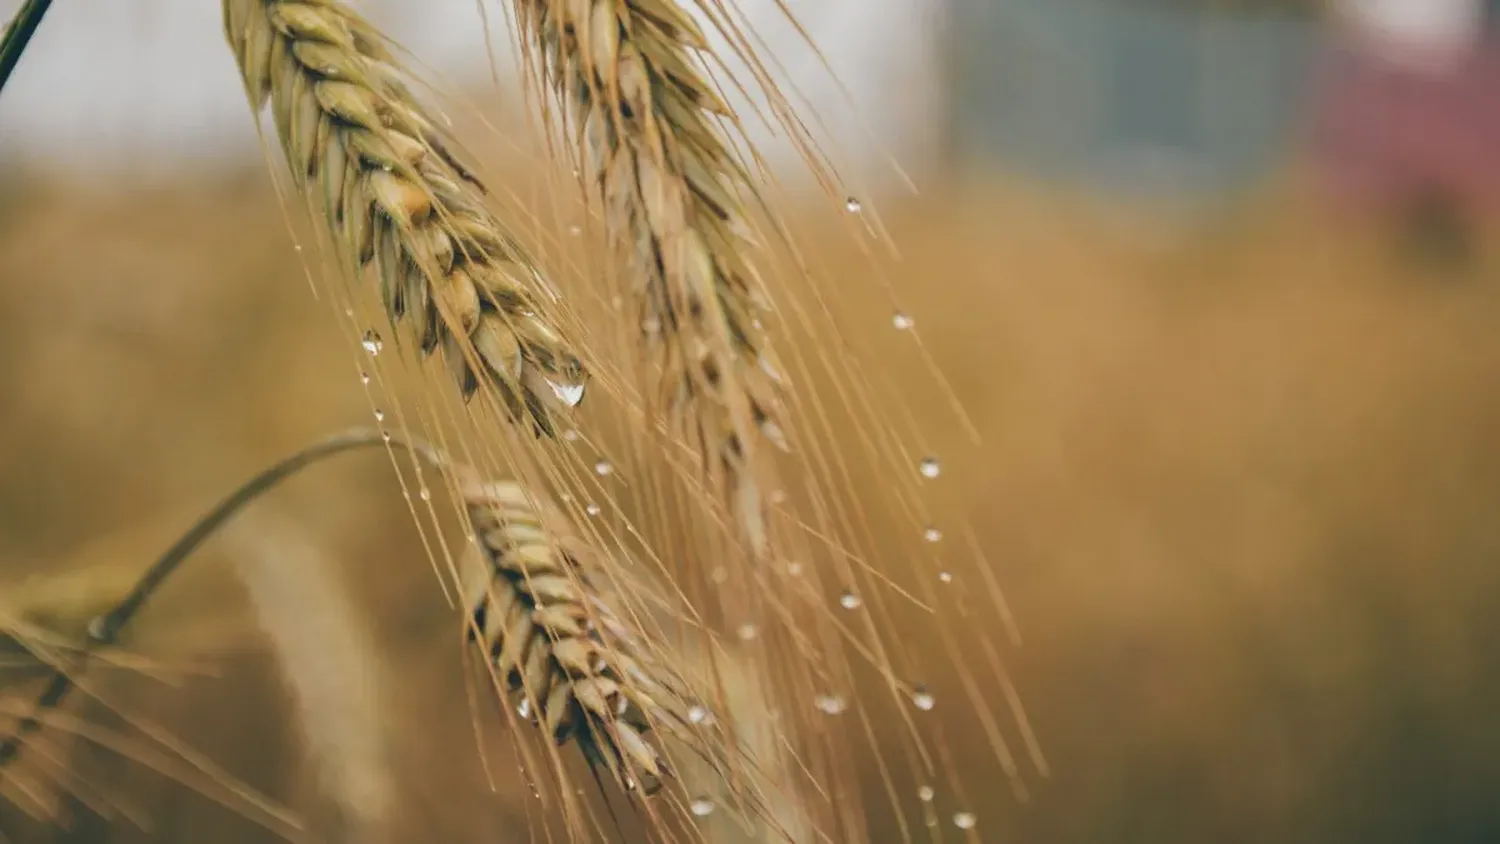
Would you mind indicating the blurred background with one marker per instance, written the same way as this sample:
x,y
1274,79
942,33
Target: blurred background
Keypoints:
x,y
1215,279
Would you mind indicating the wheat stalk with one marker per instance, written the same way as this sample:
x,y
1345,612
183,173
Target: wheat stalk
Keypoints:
x,y
579,669
393,194
672,196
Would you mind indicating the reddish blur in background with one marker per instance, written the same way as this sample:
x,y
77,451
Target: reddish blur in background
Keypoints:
x,y
1239,473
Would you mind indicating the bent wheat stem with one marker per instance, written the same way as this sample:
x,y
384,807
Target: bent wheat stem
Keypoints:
x,y
393,195
672,192
18,34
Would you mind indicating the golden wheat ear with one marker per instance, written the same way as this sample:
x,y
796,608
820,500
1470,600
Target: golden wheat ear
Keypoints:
x,y
588,675
554,642
393,194
627,72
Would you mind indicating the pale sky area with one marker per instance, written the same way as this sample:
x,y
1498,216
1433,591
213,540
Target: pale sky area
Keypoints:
x,y
147,85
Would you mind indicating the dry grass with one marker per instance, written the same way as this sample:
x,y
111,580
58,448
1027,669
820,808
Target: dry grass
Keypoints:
x,y
1241,488
672,193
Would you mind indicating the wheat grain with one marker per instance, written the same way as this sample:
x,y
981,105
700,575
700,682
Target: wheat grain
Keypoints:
x,y
393,194
579,669
672,194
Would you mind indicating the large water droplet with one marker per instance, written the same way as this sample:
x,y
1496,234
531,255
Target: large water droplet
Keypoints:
x,y
922,698
379,415
372,342
702,806
603,468
853,205
902,322
829,704
930,467
964,820
592,509
925,794
699,714
932,534
945,576
568,394
849,601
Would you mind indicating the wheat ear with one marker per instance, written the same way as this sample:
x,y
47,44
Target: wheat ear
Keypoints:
x,y
672,196
579,670
393,194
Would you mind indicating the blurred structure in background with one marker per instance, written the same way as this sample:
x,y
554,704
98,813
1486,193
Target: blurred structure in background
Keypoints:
x,y
1408,123
1139,99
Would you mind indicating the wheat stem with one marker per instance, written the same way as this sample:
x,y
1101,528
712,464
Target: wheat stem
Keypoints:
x,y
672,189
18,36
105,630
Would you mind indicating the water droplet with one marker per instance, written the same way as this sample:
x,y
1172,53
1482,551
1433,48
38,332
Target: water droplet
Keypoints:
x,y
372,342
925,794
571,435
719,574
930,467
379,415
902,322
748,632
651,325
603,468
385,435
964,820
364,378
853,205
932,534
698,714
849,601
702,806
794,568
778,496
592,509
348,312
945,576
568,394
524,710
575,230
923,698
425,494
296,247
829,704
617,302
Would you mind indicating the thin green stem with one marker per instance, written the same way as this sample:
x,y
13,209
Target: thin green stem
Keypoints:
x,y
18,35
105,630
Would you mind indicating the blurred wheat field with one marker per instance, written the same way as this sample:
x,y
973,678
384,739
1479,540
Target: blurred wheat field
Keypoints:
x,y
1237,481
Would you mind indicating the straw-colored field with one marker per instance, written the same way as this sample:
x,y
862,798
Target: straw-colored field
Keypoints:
x,y
1241,484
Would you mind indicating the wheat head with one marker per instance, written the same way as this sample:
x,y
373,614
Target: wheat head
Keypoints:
x,y
393,194
672,196
579,669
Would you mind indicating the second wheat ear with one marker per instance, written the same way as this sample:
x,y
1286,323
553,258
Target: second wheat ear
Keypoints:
x,y
396,198
672,189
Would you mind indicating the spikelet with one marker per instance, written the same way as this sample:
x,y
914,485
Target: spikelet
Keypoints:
x,y
576,668
358,143
672,198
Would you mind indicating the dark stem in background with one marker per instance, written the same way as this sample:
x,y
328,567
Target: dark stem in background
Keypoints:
x,y
18,35
104,630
